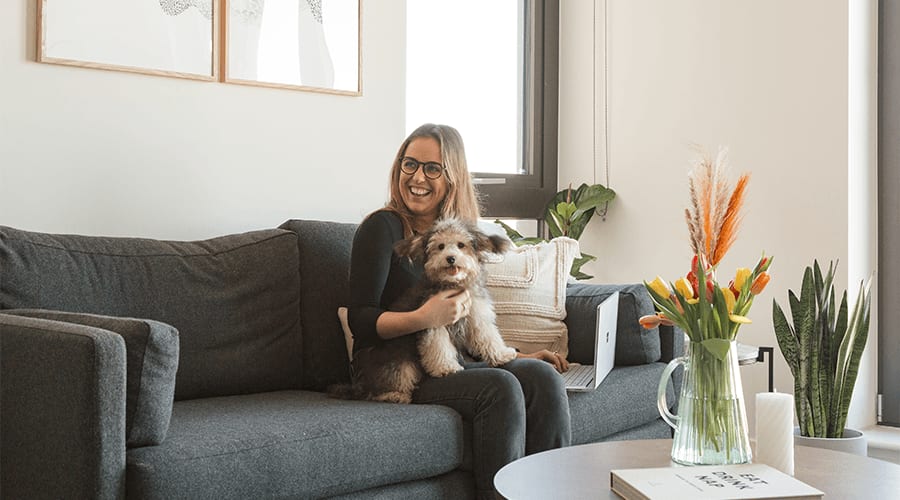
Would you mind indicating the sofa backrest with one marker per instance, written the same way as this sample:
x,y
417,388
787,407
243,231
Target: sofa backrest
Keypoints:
x,y
235,299
324,249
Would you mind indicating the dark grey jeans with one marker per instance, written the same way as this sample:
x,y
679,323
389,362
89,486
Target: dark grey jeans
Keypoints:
x,y
515,410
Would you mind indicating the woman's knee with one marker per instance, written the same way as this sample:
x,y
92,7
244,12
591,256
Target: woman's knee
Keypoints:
x,y
534,374
501,388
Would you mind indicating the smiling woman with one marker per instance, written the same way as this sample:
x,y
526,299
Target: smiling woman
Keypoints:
x,y
422,193
430,180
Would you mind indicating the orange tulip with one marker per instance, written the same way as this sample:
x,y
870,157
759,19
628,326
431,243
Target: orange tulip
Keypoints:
x,y
759,284
649,321
665,321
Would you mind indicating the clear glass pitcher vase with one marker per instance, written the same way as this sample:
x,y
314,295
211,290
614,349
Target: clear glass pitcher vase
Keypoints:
x,y
711,425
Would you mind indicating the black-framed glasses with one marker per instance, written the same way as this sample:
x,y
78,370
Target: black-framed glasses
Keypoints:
x,y
410,165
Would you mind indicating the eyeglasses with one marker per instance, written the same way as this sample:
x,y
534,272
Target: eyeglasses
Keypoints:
x,y
410,165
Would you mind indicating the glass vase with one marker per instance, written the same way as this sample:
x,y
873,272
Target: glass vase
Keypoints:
x,y
711,425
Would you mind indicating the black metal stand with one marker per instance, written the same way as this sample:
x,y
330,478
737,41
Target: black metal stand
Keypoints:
x,y
761,357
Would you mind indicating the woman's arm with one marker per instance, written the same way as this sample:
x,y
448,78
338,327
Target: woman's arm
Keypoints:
x,y
441,309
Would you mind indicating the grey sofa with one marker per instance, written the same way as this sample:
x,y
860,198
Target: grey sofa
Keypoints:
x,y
159,369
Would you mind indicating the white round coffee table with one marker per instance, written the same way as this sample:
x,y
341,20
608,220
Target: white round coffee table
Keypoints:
x,y
582,472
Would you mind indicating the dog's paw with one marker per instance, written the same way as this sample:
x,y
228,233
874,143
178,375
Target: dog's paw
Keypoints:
x,y
503,356
394,397
444,369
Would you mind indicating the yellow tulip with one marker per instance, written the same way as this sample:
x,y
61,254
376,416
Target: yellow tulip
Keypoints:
x,y
740,319
740,277
729,299
659,286
684,288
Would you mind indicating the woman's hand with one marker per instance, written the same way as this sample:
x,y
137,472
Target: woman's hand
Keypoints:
x,y
446,308
554,358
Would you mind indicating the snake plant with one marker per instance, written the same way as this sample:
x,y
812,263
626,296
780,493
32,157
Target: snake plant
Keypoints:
x,y
567,214
823,348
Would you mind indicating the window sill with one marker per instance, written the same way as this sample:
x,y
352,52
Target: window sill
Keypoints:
x,y
883,442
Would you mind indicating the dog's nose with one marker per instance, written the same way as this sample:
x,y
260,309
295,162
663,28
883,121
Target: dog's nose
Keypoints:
x,y
451,260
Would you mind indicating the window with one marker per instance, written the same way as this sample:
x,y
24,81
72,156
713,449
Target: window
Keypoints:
x,y
489,69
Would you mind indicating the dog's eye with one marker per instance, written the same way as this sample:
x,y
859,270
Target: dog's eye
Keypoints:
x,y
461,245
441,246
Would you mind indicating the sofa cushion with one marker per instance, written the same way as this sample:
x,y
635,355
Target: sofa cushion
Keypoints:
x,y
634,344
626,400
151,359
293,444
528,288
324,249
234,299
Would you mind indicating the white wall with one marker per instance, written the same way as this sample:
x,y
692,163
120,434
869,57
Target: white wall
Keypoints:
x,y
764,78
103,152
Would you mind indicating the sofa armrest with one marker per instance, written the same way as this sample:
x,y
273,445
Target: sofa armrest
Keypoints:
x,y
62,410
151,363
634,344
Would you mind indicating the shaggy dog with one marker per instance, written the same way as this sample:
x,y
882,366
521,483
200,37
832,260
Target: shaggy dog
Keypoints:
x,y
453,253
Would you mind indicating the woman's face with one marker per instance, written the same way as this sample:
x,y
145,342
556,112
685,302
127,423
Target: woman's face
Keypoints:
x,y
421,194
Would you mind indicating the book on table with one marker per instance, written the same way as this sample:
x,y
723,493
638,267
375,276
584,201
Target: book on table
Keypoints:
x,y
709,482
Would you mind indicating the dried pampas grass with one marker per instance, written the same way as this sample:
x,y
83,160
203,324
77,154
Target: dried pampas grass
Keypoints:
x,y
715,212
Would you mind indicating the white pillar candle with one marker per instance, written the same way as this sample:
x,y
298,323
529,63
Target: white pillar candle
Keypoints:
x,y
775,430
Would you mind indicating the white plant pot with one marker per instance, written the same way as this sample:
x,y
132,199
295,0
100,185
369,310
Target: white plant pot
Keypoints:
x,y
853,442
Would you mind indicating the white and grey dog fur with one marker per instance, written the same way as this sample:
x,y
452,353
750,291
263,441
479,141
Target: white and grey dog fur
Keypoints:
x,y
453,253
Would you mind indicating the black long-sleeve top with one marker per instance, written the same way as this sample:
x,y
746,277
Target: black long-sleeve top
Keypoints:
x,y
377,275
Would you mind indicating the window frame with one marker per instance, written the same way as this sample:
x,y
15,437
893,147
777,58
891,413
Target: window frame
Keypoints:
x,y
524,196
888,268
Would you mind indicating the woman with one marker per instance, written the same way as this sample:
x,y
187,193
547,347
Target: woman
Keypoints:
x,y
519,408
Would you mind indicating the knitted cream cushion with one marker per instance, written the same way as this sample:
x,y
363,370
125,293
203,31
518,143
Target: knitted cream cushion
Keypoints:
x,y
348,335
528,286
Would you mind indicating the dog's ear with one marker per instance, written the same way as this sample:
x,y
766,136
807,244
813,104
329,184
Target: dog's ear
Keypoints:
x,y
412,248
493,243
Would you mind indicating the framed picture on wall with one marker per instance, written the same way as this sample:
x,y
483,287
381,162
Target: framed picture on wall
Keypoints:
x,y
302,44
162,37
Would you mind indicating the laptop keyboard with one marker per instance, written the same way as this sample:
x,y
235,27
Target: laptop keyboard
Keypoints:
x,y
578,375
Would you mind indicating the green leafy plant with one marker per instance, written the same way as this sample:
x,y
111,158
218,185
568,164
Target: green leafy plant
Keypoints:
x,y
567,214
823,348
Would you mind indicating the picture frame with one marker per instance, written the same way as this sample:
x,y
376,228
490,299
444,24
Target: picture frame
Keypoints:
x,y
312,45
175,38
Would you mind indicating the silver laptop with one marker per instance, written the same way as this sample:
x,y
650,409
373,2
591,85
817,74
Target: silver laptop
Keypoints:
x,y
582,378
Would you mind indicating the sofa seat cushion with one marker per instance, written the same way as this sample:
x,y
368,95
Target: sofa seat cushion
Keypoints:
x,y
293,444
235,299
151,359
625,400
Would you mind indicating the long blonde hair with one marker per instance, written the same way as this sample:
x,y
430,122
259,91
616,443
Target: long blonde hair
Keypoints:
x,y
462,200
